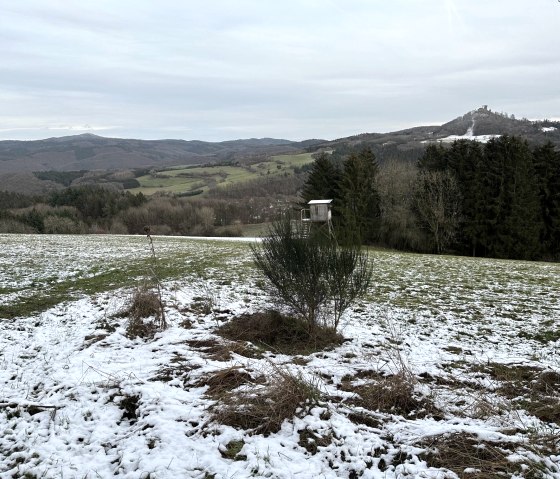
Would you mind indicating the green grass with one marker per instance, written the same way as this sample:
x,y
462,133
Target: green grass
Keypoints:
x,y
255,230
179,179
113,274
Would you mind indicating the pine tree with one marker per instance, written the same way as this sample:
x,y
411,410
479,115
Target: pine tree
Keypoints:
x,y
465,162
547,168
322,181
358,200
434,158
512,214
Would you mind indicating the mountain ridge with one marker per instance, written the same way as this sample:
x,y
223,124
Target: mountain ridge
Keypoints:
x,y
88,151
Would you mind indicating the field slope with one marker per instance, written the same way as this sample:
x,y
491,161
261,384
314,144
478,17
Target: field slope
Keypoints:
x,y
449,368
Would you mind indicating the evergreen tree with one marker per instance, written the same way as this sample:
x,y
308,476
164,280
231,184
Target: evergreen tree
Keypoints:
x,y
358,201
512,213
434,158
322,181
547,168
465,162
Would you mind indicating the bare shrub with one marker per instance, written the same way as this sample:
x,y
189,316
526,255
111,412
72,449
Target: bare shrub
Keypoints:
x,y
145,310
14,226
437,203
155,278
206,218
62,225
395,183
263,409
118,228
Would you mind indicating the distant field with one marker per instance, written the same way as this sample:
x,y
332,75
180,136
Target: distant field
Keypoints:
x,y
185,180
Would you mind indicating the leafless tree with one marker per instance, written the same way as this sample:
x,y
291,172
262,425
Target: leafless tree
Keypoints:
x,y
438,205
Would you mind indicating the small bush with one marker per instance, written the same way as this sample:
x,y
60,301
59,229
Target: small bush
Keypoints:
x,y
311,275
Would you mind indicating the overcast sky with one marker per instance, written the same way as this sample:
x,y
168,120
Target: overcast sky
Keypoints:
x,y
217,69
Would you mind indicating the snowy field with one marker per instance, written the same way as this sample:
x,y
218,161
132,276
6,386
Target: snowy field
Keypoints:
x,y
477,341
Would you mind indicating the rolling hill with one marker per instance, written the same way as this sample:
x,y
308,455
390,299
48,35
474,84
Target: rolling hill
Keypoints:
x,y
106,160
91,152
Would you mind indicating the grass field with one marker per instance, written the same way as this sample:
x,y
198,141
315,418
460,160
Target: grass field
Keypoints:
x,y
450,368
181,180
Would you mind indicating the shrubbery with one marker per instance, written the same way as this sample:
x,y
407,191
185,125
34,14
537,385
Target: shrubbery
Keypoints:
x,y
312,276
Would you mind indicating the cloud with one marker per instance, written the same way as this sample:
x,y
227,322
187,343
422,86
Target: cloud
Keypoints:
x,y
292,69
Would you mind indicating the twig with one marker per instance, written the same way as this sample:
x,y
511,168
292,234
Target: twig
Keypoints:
x,y
163,322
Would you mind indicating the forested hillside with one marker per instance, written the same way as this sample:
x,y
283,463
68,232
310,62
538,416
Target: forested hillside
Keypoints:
x,y
500,199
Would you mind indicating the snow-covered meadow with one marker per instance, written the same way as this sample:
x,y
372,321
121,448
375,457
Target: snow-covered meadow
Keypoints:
x,y
478,340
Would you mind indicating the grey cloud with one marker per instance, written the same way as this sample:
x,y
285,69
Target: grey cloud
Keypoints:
x,y
288,69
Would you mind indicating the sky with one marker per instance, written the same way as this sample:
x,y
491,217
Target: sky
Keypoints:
x,y
217,70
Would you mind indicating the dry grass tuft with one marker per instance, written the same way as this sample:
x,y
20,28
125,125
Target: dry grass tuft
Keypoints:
x,y
226,380
394,395
546,408
279,333
531,388
548,383
212,348
263,409
222,351
361,418
472,458
144,313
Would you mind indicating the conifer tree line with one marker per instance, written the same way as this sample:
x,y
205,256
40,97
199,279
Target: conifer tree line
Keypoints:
x,y
500,199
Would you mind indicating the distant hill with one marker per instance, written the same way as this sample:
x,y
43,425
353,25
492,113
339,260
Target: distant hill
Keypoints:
x,y
91,152
481,124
